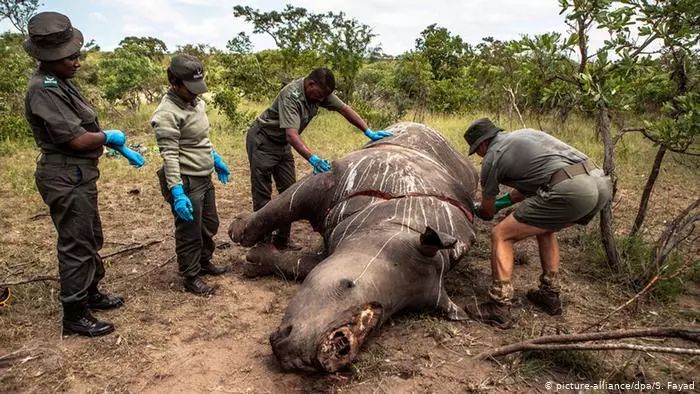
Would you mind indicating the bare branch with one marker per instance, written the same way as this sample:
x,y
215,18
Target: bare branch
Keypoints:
x,y
41,278
687,333
132,248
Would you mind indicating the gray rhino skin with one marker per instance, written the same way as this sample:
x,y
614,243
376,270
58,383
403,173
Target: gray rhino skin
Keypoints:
x,y
395,218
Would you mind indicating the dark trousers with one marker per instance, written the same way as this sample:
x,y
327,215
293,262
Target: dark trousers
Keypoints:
x,y
194,241
69,188
267,161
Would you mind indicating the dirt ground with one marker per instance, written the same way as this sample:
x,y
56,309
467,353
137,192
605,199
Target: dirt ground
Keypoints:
x,y
170,341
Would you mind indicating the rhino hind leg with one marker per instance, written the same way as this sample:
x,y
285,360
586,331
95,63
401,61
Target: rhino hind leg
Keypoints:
x,y
264,259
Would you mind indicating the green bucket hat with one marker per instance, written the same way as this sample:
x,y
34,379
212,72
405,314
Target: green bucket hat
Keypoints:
x,y
52,37
480,131
190,70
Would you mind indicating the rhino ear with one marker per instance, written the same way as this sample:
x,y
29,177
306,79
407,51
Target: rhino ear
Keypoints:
x,y
431,241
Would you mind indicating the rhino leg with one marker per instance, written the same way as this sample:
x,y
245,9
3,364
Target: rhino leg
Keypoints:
x,y
451,310
307,199
265,259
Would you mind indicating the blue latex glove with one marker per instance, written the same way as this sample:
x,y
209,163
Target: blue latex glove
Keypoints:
x,y
135,158
114,138
220,167
320,165
182,203
377,135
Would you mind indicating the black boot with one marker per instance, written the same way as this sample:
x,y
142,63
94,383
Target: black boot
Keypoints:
x,y
492,313
197,286
546,300
77,319
98,300
210,269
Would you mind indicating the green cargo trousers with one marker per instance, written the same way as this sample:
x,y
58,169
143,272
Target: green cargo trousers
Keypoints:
x,y
194,241
269,160
69,187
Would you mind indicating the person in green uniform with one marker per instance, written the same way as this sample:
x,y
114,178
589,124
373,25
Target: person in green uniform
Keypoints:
x,y
181,127
557,186
279,127
66,129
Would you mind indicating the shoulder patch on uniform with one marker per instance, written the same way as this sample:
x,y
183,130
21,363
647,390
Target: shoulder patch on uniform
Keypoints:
x,y
50,82
295,93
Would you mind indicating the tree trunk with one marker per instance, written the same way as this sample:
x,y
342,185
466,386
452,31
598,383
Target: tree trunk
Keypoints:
x,y
646,194
606,216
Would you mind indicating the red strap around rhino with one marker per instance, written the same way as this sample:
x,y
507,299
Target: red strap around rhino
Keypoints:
x,y
387,196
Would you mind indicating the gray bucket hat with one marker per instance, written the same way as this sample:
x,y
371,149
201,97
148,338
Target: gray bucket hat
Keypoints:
x,y
190,70
480,131
52,37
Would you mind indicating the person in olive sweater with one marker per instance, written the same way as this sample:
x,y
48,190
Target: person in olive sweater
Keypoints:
x,y
182,131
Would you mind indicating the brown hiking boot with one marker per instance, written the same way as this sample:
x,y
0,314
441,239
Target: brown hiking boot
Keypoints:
x,y
199,287
492,313
546,300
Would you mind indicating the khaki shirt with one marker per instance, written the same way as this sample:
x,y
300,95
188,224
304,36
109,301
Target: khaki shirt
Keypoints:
x,y
182,134
291,110
525,160
58,113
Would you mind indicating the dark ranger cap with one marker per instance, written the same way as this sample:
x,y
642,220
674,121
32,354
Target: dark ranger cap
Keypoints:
x,y
52,37
190,70
480,131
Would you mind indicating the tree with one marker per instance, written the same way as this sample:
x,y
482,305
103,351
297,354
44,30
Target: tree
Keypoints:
x,y
632,27
19,12
133,72
17,67
307,40
149,47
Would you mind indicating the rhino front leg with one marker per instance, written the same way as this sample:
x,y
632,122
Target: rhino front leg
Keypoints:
x,y
265,259
306,199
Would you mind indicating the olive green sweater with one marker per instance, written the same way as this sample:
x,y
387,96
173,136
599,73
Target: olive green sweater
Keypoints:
x,y
182,134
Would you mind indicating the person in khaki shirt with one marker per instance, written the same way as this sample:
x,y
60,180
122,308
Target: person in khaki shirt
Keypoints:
x,y
279,127
66,129
181,127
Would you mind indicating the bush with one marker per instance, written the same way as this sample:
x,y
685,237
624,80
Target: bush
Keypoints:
x,y
228,102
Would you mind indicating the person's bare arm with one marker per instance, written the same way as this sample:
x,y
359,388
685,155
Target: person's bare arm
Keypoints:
x,y
488,207
353,118
294,139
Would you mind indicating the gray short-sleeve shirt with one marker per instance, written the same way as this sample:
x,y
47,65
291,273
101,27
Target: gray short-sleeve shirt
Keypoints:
x,y
525,160
291,110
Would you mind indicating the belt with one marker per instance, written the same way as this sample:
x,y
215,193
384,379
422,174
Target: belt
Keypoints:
x,y
57,158
570,171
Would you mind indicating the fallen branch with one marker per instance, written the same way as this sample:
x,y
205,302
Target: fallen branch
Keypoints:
x,y
41,278
608,346
132,248
687,333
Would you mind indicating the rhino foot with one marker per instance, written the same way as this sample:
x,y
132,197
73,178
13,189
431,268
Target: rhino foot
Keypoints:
x,y
340,345
236,230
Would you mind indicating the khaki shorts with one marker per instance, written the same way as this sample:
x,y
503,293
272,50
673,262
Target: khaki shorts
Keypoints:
x,y
576,200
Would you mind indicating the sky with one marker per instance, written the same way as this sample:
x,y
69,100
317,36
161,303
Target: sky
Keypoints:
x,y
397,23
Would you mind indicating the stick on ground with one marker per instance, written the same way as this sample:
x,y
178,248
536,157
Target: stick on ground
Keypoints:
x,y
554,342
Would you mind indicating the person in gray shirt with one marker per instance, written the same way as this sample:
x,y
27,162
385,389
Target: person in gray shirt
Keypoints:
x,y
557,186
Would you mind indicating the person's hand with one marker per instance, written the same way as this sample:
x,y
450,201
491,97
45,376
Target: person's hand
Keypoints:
x,y
503,202
182,203
477,211
377,135
114,138
320,165
222,171
135,158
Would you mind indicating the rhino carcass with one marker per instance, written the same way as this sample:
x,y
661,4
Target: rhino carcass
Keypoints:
x,y
395,217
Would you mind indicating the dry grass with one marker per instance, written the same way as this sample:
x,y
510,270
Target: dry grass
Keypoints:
x,y
167,340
